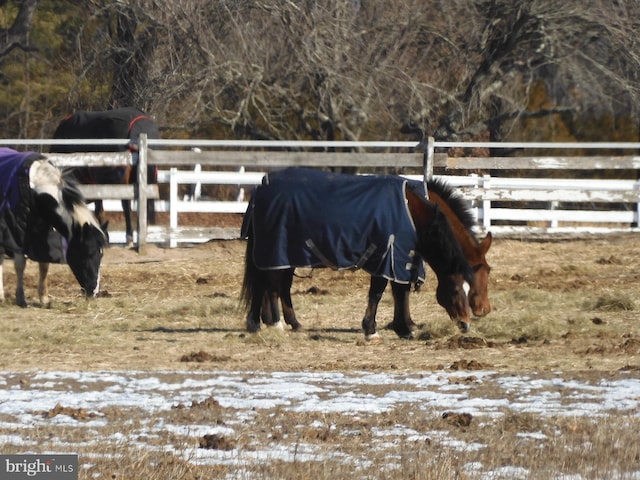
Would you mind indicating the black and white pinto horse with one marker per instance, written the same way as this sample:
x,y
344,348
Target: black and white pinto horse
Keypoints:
x,y
121,123
44,217
309,218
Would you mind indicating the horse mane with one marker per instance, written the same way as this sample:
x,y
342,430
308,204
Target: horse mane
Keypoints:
x,y
71,194
441,247
76,204
455,201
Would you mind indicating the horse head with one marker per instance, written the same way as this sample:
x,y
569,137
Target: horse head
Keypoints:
x,y
438,246
462,221
478,296
61,204
84,255
452,294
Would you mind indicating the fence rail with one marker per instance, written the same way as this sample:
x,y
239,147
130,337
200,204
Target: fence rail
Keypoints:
x,y
505,204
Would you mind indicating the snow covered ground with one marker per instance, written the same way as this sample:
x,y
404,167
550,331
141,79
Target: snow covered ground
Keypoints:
x,y
25,396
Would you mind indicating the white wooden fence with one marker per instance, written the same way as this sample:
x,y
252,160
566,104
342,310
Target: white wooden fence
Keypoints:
x,y
530,203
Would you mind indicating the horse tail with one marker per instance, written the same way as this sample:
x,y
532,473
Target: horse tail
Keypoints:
x,y
251,275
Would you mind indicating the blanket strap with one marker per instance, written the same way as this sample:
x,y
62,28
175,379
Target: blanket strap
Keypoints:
x,y
325,261
372,248
316,251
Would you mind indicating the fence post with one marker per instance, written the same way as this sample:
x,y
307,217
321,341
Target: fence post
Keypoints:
x,y
173,206
485,183
554,222
141,193
429,149
636,188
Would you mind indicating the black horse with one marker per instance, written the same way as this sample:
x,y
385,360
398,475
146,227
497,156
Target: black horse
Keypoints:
x,y
125,123
44,217
309,218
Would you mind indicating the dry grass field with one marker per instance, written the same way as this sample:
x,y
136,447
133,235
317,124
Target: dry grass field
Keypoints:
x,y
563,312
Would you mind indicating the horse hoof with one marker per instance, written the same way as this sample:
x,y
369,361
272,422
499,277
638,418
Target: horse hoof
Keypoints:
x,y
252,327
373,339
295,326
278,325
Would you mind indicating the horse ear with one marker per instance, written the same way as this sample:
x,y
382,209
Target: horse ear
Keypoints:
x,y
486,243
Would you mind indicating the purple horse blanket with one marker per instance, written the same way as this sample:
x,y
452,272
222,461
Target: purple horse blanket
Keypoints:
x,y
309,218
22,228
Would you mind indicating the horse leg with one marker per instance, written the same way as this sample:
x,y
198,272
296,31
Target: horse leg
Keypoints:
x,y
286,280
126,210
152,178
20,263
43,290
267,313
270,314
376,289
402,323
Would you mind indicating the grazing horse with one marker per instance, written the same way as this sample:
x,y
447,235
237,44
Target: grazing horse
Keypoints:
x,y
456,209
125,123
44,217
309,218
461,220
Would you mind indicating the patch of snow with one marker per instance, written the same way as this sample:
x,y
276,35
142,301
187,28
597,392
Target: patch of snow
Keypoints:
x,y
23,407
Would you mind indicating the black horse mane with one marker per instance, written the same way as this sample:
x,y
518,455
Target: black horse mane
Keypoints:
x,y
458,205
71,194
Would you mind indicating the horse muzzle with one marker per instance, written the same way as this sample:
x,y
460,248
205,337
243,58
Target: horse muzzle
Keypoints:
x,y
92,292
480,311
464,327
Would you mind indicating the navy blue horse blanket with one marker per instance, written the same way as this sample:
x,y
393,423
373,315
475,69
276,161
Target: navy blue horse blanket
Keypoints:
x,y
22,229
309,218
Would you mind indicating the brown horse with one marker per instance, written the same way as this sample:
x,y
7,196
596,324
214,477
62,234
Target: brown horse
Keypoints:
x,y
278,212
457,212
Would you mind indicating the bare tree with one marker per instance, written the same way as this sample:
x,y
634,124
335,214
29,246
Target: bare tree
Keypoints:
x,y
353,70
17,35
581,51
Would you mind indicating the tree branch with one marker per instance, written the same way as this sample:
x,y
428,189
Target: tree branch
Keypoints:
x,y
17,36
